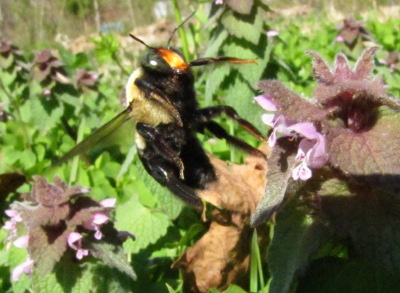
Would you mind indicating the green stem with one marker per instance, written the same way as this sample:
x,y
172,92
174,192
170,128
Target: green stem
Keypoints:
x,y
256,265
14,102
74,166
182,35
116,59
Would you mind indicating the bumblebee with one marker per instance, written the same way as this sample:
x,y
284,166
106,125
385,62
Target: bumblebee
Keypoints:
x,y
162,102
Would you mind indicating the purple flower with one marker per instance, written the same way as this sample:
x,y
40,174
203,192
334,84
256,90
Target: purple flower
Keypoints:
x,y
75,242
312,147
25,267
219,2
108,202
95,223
272,33
22,242
339,39
11,225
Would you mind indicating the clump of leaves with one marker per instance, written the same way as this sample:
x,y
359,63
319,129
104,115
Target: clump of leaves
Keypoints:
x,y
239,31
58,220
353,34
86,79
48,69
341,154
11,57
392,61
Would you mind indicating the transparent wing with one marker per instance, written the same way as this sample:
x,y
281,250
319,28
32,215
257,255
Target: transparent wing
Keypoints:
x,y
100,134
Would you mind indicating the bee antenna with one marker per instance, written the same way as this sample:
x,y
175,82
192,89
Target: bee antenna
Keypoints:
x,y
179,26
140,41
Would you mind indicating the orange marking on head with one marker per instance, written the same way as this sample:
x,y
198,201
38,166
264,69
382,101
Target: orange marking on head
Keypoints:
x,y
173,59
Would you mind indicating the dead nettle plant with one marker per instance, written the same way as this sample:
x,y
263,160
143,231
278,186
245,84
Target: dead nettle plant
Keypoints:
x,y
56,221
339,153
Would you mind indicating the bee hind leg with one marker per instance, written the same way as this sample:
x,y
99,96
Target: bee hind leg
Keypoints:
x,y
165,175
155,138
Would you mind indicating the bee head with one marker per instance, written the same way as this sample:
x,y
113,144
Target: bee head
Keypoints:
x,y
162,60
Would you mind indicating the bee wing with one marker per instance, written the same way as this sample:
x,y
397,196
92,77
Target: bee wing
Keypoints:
x,y
100,134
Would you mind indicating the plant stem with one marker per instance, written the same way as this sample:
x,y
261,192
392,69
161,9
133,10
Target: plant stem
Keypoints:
x,y
116,59
182,35
14,102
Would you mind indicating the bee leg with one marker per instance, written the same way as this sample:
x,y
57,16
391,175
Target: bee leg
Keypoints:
x,y
154,137
206,114
220,132
165,175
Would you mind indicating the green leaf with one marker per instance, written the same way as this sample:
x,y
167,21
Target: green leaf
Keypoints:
x,y
45,113
240,6
5,63
296,238
68,276
147,225
246,27
113,255
108,280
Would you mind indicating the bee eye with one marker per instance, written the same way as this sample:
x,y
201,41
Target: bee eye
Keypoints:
x,y
153,62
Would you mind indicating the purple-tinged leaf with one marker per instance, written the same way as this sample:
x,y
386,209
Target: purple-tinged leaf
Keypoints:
x,y
342,70
281,162
55,194
376,151
289,104
365,64
344,91
43,56
370,220
297,238
338,274
322,72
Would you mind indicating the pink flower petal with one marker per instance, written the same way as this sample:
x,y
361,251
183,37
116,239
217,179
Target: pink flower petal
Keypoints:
x,y
14,215
25,267
268,119
72,238
22,242
306,129
339,39
301,172
99,219
9,225
266,103
272,33
108,202
98,235
11,213
80,253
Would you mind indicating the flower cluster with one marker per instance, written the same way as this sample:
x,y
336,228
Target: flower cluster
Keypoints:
x,y
312,147
351,31
86,79
55,217
48,68
347,102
